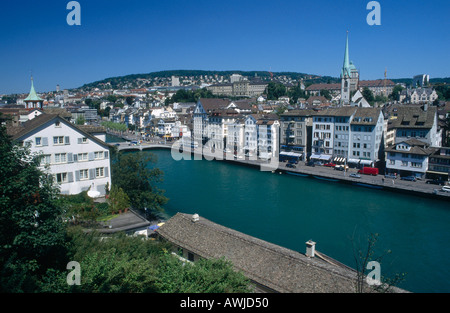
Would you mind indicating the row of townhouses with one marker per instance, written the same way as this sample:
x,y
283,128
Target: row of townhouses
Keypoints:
x,y
231,126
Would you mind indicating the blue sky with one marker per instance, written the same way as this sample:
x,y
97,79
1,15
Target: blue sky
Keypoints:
x,y
128,37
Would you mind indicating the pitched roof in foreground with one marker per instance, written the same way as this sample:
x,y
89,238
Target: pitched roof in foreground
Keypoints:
x,y
272,266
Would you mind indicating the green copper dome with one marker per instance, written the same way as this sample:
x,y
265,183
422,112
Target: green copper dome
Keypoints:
x,y
33,95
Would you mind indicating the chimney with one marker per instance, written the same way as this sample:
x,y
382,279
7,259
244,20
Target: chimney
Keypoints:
x,y
195,217
310,248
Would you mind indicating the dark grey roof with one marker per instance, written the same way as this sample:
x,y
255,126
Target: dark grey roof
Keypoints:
x,y
417,147
414,117
275,267
23,129
366,116
305,112
343,111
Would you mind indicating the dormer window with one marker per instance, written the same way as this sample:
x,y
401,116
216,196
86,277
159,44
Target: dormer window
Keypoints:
x,y
57,124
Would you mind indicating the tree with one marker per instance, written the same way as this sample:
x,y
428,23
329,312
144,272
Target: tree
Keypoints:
x,y
133,173
80,120
326,93
296,93
368,95
118,200
395,95
275,90
32,231
363,257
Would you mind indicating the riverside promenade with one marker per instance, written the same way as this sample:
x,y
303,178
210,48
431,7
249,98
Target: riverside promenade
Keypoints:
x,y
418,188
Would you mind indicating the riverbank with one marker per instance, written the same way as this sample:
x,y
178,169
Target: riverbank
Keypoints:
x,y
417,188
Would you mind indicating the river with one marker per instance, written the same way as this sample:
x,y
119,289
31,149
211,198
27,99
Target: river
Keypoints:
x,y
289,210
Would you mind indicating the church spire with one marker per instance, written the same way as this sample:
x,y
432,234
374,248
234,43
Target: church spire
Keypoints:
x,y
33,100
346,66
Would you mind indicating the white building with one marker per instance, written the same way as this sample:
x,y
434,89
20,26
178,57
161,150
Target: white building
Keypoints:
x,y
77,160
351,133
419,122
408,157
251,135
366,135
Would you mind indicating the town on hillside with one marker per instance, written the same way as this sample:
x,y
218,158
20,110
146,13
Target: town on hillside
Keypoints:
x,y
402,129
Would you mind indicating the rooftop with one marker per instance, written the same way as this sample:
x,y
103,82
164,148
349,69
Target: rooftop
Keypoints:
x,y
277,268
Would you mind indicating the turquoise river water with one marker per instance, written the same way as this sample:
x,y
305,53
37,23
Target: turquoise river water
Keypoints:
x,y
289,210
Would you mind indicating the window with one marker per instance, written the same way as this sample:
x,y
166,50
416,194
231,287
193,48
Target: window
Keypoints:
x,y
82,140
98,155
57,124
38,141
45,159
84,174
404,163
99,172
391,162
82,157
60,158
61,178
58,140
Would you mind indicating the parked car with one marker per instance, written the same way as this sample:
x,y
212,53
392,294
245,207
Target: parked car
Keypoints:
x,y
354,175
310,163
290,165
436,182
391,176
445,188
409,178
339,168
329,165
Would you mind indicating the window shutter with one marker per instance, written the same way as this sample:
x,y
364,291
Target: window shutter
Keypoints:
x,y
70,157
106,154
44,141
70,177
91,173
91,156
106,171
66,140
77,175
79,140
75,157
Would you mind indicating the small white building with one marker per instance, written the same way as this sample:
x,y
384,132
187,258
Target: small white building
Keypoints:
x,y
408,157
77,160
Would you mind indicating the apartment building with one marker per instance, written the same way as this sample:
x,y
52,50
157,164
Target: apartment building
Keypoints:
x,y
419,122
409,157
366,136
78,160
295,130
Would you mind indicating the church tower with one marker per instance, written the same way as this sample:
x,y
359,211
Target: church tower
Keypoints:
x,y
33,100
349,77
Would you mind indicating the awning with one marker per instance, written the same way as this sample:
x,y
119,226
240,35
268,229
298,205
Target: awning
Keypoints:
x,y
294,154
352,161
367,162
315,156
325,157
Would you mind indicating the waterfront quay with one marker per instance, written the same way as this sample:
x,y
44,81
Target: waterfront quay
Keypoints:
x,y
418,188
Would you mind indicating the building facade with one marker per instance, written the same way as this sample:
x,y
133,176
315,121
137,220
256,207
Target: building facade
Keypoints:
x,y
77,160
408,158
